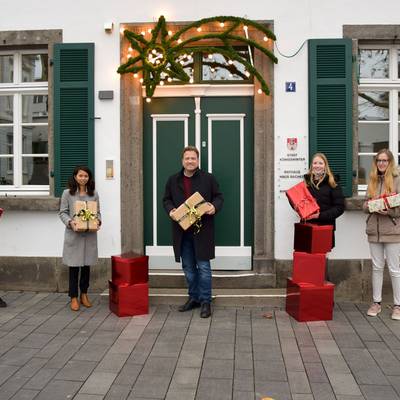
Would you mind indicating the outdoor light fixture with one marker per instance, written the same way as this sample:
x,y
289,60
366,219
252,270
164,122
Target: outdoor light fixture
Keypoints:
x,y
108,27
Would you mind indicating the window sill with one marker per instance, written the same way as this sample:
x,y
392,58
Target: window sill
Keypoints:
x,y
354,203
35,203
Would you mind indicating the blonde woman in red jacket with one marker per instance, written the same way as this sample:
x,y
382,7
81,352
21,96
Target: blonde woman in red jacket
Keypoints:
x,y
383,230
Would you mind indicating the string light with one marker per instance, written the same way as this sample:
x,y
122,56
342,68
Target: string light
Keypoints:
x,y
135,75
121,30
265,39
161,83
130,49
148,99
247,73
179,40
129,55
259,91
169,79
149,30
221,24
210,56
191,80
170,33
230,62
143,33
141,80
199,29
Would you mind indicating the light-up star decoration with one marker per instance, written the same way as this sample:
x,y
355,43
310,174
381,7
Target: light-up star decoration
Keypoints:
x,y
162,56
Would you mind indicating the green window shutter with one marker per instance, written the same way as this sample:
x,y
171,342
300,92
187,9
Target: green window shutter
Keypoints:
x,y
73,110
330,105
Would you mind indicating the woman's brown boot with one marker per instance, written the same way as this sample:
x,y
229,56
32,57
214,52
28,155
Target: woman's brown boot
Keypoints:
x,y
85,300
74,304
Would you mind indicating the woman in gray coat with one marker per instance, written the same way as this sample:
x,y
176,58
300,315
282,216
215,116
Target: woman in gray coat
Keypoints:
x,y
80,248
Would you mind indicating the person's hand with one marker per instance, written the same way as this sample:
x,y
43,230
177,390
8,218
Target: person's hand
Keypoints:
x,y
211,210
73,225
314,216
171,214
98,224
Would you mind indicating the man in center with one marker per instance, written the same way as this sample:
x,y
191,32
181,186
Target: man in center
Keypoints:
x,y
195,248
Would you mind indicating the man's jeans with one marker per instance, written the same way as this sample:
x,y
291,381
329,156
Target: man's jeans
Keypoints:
x,y
197,272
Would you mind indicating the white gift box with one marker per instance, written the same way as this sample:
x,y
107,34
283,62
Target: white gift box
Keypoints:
x,y
393,201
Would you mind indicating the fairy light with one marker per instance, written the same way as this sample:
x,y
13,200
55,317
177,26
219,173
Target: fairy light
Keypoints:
x,y
122,30
154,51
169,79
161,83
199,29
129,56
135,75
222,24
230,62
259,91
130,49
265,39
210,56
148,99
141,80
143,33
179,40
149,30
247,73
191,80
170,33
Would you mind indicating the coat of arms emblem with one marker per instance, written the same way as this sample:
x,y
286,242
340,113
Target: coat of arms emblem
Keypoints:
x,y
291,144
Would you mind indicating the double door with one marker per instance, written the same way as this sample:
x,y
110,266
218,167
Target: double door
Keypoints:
x,y
222,129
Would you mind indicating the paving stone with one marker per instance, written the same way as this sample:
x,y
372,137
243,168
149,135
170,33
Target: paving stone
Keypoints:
x,y
117,392
244,360
128,375
25,394
112,362
243,380
36,340
214,389
297,396
154,387
76,370
322,391
344,384
334,363
217,369
316,372
81,396
59,390
98,383
6,371
309,354
31,367
190,359
181,394
237,395
269,371
185,378
41,379
298,382
276,390
12,386
373,392
221,351
166,349
159,366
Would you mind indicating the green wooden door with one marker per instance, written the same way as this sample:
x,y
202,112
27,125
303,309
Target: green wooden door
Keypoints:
x,y
222,130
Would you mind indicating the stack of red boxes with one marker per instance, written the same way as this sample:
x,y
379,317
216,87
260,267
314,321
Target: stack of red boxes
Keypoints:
x,y
309,296
129,287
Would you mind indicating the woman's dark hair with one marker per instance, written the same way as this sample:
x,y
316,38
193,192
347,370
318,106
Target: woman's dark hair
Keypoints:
x,y
73,184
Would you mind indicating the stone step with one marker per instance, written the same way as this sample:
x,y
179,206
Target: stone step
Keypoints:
x,y
220,279
224,297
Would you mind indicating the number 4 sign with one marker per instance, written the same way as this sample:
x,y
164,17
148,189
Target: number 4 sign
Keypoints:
x,y
290,86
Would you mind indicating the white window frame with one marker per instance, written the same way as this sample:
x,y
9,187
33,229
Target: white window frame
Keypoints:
x,y
17,89
391,85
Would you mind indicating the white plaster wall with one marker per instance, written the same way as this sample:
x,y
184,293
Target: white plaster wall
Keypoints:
x,y
82,21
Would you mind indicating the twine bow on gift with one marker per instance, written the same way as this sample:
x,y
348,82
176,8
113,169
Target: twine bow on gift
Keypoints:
x,y
86,215
194,217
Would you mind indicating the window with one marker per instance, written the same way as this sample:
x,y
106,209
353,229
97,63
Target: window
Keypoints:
x,y
378,104
24,158
214,68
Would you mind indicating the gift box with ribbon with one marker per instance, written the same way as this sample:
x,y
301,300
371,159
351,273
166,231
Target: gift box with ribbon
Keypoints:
x,y
384,202
189,213
86,216
302,201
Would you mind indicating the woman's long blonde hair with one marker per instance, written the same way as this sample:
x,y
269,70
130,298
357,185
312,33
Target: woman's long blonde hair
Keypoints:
x,y
328,172
390,172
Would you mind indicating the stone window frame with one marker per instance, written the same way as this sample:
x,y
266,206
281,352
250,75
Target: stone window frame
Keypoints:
x,y
35,39
371,34
131,154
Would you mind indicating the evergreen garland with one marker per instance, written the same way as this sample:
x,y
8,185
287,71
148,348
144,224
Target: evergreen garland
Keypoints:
x,y
163,57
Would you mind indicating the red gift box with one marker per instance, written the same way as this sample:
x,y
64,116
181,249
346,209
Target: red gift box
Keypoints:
x,y
129,268
302,201
309,268
307,302
311,238
129,300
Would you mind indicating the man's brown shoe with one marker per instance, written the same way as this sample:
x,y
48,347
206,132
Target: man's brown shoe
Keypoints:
x,y
74,304
85,300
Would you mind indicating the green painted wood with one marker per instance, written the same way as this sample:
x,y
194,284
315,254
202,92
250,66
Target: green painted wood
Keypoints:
x,y
226,166
222,159
330,105
73,110
170,142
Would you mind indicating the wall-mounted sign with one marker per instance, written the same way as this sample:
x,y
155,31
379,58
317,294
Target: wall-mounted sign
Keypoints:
x,y
290,86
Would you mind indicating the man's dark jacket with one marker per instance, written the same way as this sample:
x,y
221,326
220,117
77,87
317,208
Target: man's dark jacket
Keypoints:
x,y
204,183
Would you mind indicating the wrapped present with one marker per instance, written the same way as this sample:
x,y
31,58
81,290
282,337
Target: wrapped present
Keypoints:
x,y
302,201
309,268
128,300
377,205
312,238
308,302
129,268
86,216
393,200
189,213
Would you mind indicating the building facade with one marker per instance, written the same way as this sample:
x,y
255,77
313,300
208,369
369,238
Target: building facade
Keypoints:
x,y
335,89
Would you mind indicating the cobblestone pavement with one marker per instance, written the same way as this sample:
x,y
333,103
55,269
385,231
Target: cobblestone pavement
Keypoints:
x,y
50,352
